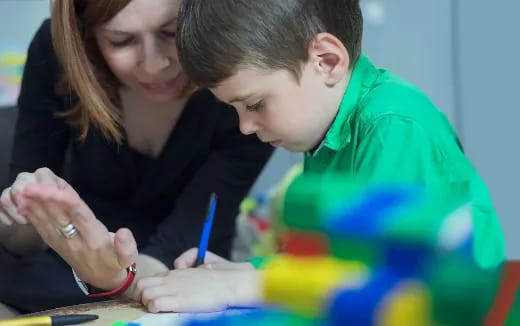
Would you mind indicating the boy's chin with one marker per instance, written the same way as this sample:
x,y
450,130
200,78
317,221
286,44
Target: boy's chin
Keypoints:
x,y
298,148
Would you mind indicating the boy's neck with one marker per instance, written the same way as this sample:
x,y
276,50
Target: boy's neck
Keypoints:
x,y
332,109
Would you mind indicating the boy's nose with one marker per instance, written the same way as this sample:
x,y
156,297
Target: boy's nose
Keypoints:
x,y
248,126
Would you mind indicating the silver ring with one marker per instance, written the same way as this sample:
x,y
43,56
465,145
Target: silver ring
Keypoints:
x,y
68,231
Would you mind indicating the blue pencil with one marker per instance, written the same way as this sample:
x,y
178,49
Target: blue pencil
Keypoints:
x,y
206,230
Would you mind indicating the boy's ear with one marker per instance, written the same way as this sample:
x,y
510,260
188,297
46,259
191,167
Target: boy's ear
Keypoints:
x,y
329,57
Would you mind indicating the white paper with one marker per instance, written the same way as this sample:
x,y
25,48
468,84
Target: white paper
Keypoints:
x,y
179,319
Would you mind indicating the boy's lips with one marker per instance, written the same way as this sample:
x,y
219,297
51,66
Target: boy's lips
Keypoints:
x,y
275,143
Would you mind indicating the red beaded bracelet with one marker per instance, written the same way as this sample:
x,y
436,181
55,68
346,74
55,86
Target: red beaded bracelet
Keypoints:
x,y
87,289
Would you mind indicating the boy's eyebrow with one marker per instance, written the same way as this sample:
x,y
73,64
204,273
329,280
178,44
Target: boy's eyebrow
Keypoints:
x,y
240,98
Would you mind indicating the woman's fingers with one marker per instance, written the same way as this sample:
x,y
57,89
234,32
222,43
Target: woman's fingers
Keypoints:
x,y
9,207
38,217
64,206
126,247
4,218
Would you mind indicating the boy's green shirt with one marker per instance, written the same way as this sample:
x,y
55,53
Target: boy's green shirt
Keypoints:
x,y
387,129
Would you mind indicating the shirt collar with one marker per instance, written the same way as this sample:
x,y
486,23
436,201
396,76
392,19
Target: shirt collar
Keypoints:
x,y
363,77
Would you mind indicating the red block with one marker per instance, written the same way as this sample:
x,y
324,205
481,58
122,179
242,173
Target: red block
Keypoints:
x,y
305,244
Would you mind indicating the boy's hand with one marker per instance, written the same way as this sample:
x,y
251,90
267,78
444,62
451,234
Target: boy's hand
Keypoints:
x,y
187,259
211,261
199,290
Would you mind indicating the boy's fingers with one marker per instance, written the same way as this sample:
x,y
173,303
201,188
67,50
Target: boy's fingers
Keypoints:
x,y
154,292
163,304
149,281
186,259
145,283
182,263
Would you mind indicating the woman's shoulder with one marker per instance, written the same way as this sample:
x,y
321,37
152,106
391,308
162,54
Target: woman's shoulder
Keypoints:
x,y
208,111
41,55
204,99
42,40
206,104
41,74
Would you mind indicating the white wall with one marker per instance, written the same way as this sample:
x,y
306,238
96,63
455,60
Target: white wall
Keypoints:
x,y
19,20
489,66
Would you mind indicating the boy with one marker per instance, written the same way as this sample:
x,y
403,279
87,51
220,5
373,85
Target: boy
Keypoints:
x,y
294,72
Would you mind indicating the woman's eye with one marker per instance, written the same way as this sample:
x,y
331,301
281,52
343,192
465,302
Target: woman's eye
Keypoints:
x,y
121,43
169,34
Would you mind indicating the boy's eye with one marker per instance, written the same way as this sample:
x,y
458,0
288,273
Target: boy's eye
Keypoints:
x,y
255,107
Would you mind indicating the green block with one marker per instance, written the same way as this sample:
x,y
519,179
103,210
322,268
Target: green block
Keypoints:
x,y
258,318
422,222
310,199
356,250
118,323
462,292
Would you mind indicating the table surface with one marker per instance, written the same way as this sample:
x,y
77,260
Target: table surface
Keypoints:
x,y
128,310
108,311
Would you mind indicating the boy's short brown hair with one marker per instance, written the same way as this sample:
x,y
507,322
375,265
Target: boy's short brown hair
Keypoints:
x,y
218,37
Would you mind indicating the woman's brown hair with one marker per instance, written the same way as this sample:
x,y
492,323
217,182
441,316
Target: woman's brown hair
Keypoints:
x,y
85,73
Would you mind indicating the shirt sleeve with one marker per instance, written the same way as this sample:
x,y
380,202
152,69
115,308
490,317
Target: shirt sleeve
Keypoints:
x,y
230,171
396,148
40,138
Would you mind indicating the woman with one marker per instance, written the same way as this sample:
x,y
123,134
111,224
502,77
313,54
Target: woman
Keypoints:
x,y
110,109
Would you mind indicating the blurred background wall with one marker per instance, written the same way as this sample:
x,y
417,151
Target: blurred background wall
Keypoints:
x,y
462,53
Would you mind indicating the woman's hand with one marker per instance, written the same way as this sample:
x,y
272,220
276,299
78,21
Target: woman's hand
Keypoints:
x,y
99,257
16,234
10,196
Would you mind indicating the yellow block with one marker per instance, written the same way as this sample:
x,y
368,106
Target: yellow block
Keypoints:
x,y
408,304
304,284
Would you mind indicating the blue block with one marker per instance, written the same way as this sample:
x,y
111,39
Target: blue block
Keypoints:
x,y
407,259
369,217
358,306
